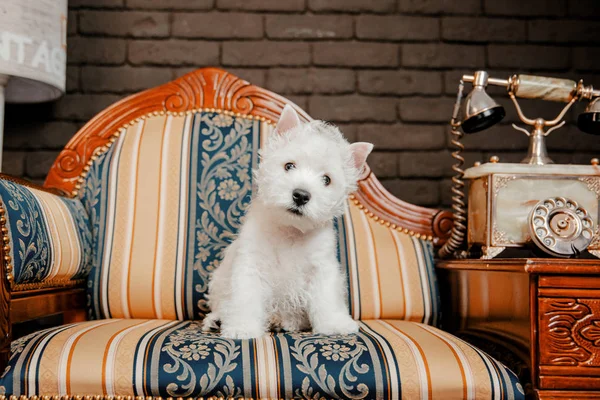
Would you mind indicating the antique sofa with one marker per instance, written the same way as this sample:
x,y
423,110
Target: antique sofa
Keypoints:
x,y
133,217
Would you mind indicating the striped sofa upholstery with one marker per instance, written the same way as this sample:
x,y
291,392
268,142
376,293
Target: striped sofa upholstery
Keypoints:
x,y
163,202
387,359
48,236
167,198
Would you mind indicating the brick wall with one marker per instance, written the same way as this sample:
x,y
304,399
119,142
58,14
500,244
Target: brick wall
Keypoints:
x,y
385,70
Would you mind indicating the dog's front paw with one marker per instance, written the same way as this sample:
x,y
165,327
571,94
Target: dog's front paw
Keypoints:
x,y
337,326
210,323
232,332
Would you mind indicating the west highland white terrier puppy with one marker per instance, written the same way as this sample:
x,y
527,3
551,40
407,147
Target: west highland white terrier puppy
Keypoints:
x,y
282,270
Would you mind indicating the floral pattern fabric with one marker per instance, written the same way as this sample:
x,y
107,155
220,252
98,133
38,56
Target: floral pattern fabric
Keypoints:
x,y
385,360
49,235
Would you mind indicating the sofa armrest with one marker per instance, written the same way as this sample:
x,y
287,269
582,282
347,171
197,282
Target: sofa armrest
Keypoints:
x,y
46,236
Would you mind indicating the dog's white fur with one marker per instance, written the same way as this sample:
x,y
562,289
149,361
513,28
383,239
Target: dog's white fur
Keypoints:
x,y
282,269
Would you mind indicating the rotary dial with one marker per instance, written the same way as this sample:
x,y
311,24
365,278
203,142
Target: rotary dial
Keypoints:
x,y
560,227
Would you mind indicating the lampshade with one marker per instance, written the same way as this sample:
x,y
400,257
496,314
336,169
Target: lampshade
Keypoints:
x,y
33,49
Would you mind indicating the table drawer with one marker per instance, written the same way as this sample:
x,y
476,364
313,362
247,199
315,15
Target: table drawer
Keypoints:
x,y
569,337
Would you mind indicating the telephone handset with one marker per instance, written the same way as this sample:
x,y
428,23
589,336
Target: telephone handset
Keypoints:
x,y
552,207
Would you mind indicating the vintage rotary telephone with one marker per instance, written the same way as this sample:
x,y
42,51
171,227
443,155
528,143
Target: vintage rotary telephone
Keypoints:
x,y
536,204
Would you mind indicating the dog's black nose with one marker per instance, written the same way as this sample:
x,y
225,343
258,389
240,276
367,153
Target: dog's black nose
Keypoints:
x,y
301,197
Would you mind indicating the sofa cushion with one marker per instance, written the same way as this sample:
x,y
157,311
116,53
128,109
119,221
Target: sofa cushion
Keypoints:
x,y
387,359
49,236
168,197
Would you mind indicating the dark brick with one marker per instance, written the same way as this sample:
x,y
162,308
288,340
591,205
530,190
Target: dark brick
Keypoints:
x,y
266,53
383,165
545,30
217,25
349,131
72,23
397,27
123,79
352,5
426,109
528,56
309,26
416,191
431,164
401,82
525,8
355,54
96,3
570,138
446,192
300,101
39,135
584,8
531,108
498,137
312,80
72,78
578,158
586,58
478,29
173,52
171,4
442,55
402,136
13,163
352,108
96,50
254,76
82,107
262,5
124,23
37,164
440,6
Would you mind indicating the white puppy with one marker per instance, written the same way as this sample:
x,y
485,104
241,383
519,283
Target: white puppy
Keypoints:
x,y
282,269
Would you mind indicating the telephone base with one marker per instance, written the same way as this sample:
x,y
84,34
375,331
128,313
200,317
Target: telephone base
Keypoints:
x,y
503,198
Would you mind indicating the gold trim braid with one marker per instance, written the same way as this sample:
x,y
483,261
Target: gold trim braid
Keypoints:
x,y
6,244
49,284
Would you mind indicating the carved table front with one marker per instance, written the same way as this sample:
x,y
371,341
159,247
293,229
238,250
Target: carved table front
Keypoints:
x,y
545,310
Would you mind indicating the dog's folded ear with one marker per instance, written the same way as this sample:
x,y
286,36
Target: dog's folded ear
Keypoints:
x,y
289,119
360,152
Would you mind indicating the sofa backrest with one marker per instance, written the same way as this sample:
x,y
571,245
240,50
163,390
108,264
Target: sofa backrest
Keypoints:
x,y
167,190
168,197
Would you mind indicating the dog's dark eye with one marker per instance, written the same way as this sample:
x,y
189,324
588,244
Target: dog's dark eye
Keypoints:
x,y
326,180
289,166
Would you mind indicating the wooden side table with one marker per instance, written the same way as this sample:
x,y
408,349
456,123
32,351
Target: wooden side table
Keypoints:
x,y
546,310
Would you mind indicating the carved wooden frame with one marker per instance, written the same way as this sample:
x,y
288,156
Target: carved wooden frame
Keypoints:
x,y
213,88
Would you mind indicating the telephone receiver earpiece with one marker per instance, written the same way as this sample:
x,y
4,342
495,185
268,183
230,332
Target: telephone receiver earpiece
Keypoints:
x,y
480,110
589,120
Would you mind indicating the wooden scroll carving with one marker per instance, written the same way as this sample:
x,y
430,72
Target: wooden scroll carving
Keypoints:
x,y
569,332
